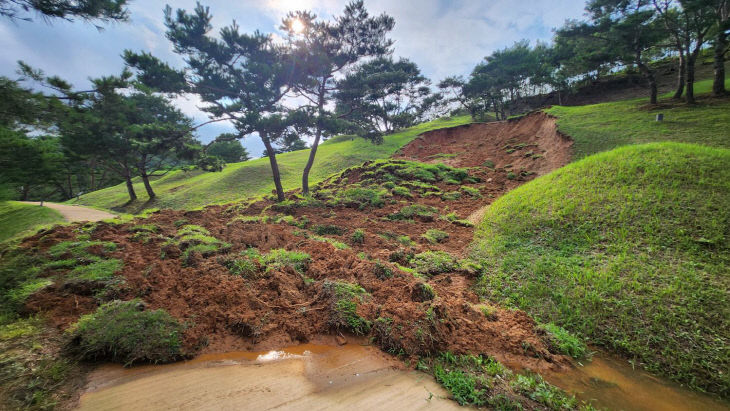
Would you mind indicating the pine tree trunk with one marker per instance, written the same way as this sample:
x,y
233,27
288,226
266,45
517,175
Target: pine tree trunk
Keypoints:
x,y
26,191
147,186
310,162
315,145
680,76
130,186
649,75
718,84
274,167
690,94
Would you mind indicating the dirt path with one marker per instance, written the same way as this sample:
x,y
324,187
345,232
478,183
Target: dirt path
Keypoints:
x,y
76,213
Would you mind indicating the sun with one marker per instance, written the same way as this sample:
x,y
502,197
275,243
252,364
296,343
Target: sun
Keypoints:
x,y
297,26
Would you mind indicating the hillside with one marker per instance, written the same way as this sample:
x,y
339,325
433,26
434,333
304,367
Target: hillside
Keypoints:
x,y
186,190
629,248
18,218
600,127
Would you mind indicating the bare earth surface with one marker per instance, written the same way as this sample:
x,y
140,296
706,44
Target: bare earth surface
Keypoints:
x,y
304,377
76,213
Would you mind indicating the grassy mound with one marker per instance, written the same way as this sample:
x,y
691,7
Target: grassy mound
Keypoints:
x,y
629,248
124,331
19,218
186,190
605,126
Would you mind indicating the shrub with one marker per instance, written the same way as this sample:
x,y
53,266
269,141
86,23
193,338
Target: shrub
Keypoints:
x,y
434,236
511,175
488,164
180,222
434,262
405,240
123,331
358,236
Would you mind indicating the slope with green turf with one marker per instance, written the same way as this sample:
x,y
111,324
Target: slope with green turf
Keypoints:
x,y
599,127
185,190
19,218
629,248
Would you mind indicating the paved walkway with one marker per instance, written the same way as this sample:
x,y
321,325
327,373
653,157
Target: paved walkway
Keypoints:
x,y
76,213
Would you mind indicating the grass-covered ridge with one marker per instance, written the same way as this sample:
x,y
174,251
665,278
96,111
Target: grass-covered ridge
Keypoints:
x,y
19,218
630,248
599,127
186,190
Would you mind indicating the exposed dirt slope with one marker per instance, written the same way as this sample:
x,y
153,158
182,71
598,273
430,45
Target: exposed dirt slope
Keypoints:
x,y
531,143
276,307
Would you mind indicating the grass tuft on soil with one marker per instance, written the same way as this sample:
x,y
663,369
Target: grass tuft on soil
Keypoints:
x,y
629,248
123,331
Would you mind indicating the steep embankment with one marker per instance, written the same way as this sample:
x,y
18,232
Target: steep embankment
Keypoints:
x,y
630,248
184,190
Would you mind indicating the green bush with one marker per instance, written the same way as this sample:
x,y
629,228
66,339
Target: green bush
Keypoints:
x,y
122,331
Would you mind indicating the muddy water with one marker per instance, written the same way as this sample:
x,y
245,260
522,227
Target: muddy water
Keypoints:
x,y
612,383
302,377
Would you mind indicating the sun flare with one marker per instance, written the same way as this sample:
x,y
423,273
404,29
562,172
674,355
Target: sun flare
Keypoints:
x,y
297,26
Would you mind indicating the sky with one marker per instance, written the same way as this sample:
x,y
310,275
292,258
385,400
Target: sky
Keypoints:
x,y
444,37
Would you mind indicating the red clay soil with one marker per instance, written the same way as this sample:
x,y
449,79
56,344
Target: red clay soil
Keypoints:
x,y
226,312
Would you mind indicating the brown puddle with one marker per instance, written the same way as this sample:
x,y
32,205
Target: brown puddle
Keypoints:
x,y
302,377
611,383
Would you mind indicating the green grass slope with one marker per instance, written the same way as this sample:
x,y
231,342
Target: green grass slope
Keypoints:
x,y
19,218
629,248
185,190
600,127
